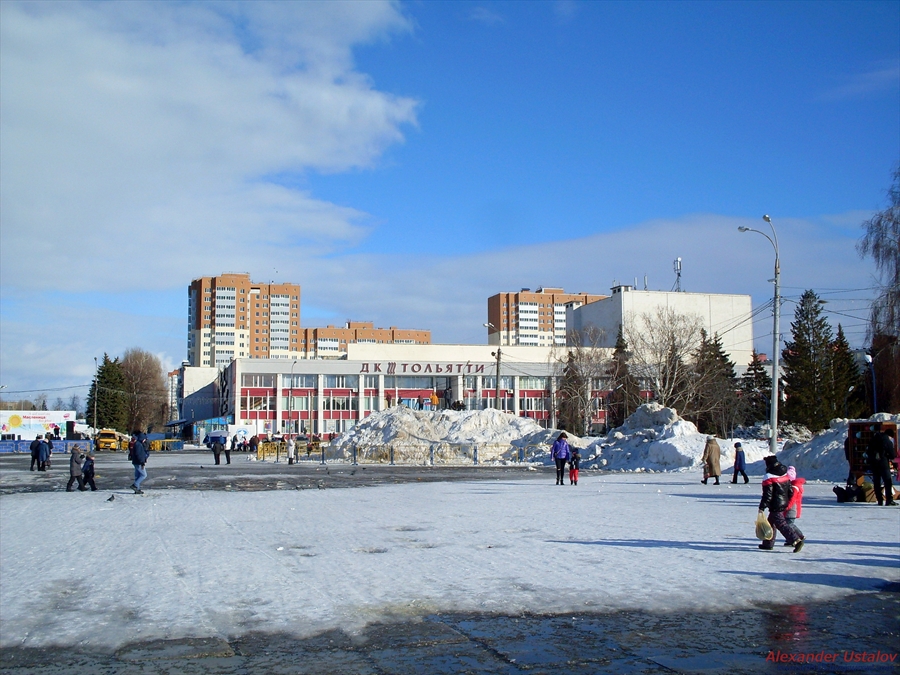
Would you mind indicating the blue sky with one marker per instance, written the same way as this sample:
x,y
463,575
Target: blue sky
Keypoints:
x,y
404,161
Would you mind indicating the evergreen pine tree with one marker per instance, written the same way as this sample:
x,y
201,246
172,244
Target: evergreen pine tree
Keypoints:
x,y
756,390
848,392
108,389
714,400
625,394
807,358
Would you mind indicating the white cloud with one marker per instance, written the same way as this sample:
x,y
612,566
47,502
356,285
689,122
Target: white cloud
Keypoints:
x,y
150,131
565,10
881,79
486,16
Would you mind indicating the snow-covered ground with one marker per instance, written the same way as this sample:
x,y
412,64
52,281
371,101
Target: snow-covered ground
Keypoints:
x,y
78,569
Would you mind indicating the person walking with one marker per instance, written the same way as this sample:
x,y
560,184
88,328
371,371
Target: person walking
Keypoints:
x,y
560,453
217,449
711,454
35,448
76,459
881,452
291,449
775,497
574,466
43,455
87,471
740,463
138,455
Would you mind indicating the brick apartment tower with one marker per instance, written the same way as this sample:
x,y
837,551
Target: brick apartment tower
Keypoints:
x,y
230,316
534,319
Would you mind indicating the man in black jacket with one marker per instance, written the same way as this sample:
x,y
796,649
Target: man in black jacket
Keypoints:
x,y
35,447
881,451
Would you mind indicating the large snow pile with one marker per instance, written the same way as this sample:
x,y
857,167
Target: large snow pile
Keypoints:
x,y
448,434
822,457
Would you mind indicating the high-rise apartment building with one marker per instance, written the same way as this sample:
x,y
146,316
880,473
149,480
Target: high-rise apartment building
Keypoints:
x,y
230,316
532,319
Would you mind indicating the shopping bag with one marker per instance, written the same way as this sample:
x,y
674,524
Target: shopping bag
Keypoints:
x,y
763,529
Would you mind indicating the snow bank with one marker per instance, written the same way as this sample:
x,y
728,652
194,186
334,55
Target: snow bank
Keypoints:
x,y
654,438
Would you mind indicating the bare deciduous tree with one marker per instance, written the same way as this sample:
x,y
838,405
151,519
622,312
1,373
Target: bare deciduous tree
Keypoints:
x,y
662,345
145,388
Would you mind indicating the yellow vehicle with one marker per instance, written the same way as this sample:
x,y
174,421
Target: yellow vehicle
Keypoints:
x,y
110,439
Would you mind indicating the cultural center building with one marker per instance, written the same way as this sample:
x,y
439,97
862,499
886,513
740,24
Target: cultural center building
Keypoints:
x,y
325,396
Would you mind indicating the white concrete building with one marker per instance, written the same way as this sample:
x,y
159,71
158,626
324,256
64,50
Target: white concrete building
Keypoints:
x,y
728,316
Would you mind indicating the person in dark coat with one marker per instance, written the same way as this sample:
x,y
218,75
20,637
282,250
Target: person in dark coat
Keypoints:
x,y
560,453
76,459
740,463
776,496
43,455
880,452
217,449
138,454
35,447
87,471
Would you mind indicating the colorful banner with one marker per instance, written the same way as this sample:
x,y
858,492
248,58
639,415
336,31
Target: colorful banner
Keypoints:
x,y
27,424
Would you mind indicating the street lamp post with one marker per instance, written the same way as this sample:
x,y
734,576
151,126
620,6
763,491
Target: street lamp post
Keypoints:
x,y
497,354
776,336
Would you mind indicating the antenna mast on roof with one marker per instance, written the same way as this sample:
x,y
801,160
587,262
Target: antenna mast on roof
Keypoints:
x,y
677,265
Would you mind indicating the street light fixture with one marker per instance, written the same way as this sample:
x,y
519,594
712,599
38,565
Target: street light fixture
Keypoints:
x,y
776,337
871,363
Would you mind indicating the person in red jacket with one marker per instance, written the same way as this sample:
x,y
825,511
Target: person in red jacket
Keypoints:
x,y
776,495
795,505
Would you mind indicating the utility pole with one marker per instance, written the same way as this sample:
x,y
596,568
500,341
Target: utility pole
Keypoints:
x,y
96,392
497,386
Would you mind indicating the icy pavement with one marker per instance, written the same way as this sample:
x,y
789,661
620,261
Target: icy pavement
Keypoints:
x,y
78,570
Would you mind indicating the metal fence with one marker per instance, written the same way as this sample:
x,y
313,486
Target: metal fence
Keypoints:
x,y
419,454
58,446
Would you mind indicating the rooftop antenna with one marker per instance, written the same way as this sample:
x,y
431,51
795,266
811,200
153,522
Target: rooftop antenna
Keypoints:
x,y
677,265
